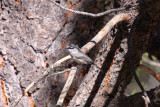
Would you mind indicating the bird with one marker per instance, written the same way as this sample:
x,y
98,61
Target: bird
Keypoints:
x,y
78,56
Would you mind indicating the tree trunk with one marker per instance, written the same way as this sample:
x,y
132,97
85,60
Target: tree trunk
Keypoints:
x,y
34,34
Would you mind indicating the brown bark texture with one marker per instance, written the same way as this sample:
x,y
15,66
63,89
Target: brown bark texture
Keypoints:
x,y
34,34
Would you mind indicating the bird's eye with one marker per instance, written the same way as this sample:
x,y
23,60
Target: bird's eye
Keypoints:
x,y
69,47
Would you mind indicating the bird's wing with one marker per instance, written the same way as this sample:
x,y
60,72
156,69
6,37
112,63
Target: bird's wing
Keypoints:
x,y
84,56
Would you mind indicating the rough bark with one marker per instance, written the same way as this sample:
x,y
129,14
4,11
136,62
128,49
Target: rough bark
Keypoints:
x,y
100,88
34,33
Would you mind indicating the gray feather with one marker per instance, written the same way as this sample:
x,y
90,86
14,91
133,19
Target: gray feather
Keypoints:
x,y
78,55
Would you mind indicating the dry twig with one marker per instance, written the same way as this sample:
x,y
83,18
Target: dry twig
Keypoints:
x,y
150,71
66,87
152,63
145,101
91,14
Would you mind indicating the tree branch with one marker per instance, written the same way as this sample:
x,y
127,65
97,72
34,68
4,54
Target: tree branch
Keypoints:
x,y
150,71
91,14
152,63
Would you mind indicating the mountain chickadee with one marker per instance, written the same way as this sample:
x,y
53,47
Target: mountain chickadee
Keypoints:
x,y
78,56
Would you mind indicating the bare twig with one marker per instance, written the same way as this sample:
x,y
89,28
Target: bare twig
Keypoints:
x,y
91,14
152,63
145,101
29,87
66,87
66,70
56,64
105,30
150,71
